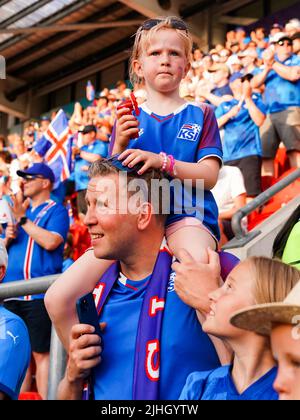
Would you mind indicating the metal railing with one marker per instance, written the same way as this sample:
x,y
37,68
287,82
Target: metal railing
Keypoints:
x,y
241,237
36,286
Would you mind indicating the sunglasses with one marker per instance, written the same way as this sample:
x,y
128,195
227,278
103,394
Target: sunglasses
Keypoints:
x,y
175,24
118,164
286,42
32,177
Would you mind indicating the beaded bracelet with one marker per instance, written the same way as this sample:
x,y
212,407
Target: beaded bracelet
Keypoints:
x,y
171,169
165,161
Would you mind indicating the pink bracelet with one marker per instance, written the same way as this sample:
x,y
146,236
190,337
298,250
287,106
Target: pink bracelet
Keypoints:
x,y
165,161
171,169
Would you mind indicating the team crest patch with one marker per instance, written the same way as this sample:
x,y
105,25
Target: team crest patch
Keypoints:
x,y
189,132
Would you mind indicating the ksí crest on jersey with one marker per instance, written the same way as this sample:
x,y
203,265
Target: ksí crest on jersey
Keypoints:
x,y
189,132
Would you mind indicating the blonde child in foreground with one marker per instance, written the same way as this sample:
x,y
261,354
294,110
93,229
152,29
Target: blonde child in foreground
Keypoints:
x,y
180,138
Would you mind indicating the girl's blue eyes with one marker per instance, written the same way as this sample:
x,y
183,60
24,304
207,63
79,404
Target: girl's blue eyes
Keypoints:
x,y
175,53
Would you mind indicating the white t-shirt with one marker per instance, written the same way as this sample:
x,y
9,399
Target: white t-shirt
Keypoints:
x,y
229,186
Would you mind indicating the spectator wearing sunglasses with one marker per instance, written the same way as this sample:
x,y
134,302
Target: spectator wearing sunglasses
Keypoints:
x,y
35,248
281,76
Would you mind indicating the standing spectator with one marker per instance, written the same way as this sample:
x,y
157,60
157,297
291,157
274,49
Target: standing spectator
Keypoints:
x,y
275,28
35,248
91,151
241,118
281,76
220,79
14,345
292,27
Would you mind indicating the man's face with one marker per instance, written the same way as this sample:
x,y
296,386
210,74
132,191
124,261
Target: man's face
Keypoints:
x,y
33,185
284,48
112,233
89,138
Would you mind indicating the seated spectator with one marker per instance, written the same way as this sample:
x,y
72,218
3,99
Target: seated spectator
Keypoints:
x,y
92,150
280,323
230,196
281,76
258,280
241,118
248,59
14,345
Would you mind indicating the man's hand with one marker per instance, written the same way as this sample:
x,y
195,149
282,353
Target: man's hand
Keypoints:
x,y
10,233
19,206
84,352
268,57
194,280
127,127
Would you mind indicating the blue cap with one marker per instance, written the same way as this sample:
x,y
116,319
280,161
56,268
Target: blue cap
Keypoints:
x,y
235,76
38,169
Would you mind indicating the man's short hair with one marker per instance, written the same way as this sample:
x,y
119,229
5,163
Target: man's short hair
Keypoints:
x,y
112,166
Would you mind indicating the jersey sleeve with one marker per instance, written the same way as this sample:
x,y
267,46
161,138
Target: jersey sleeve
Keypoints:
x,y
58,221
101,148
210,141
260,105
194,386
14,356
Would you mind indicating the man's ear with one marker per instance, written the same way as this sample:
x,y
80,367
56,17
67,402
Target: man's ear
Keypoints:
x,y
145,216
2,272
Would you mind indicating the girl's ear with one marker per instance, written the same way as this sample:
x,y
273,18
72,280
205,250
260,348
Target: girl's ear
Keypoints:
x,y
137,68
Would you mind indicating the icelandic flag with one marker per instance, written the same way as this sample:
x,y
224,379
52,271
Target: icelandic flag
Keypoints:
x,y
56,147
90,91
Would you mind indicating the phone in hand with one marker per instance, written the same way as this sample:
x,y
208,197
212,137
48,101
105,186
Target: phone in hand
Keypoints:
x,y
87,312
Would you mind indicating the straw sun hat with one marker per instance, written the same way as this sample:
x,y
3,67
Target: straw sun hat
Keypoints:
x,y
260,318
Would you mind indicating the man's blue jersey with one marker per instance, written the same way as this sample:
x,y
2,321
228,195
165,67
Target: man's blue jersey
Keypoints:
x,y
281,94
81,176
218,385
241,134
191,135
184,346
15,353
27,259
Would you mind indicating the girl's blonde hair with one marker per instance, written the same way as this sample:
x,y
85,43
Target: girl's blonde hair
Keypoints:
x,y
273,279
143,39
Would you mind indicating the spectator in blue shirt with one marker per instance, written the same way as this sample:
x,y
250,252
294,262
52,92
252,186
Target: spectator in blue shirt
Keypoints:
x,y
281,76
91,151
14,345
241,118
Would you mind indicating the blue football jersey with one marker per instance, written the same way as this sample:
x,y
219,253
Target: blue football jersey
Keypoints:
x,y
218,385
26,258
280,94
241,134
15,353
190,134
183,345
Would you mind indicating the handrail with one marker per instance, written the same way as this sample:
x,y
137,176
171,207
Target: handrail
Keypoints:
x,y
259,201
57,354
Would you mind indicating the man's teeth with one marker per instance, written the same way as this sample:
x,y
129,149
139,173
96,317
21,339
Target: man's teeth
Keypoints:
x,y
96,236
